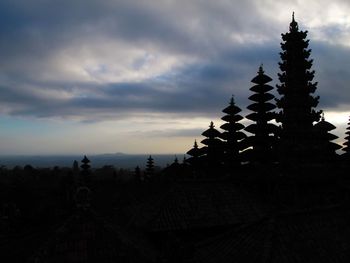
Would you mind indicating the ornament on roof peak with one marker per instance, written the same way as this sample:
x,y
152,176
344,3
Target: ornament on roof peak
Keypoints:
x,y
261,69
293,26
232,101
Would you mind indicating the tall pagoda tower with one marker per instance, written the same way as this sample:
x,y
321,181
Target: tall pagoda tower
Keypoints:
x,y
232,135
85,172
263,140
297,102
212,149
149,167
196,156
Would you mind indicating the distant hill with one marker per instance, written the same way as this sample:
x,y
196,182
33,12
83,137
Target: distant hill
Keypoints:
x,y
119,160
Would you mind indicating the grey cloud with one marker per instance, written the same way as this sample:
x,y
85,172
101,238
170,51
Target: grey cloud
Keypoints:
x,y
30,34
201,89
332,73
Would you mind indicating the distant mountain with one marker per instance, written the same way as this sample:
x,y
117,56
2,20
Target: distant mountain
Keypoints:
x,y
118,160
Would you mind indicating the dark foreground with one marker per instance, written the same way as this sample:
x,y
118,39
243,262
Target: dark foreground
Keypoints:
x,y
253,216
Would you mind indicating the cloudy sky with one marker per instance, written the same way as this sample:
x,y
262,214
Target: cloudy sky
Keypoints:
x,y
104,76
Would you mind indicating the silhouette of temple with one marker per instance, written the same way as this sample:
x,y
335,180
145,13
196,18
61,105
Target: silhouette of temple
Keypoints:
x,y
263,141
297,103
293,136
273,191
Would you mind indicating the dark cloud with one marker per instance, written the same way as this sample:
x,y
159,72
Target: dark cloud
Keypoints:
x,y
217,46
202,89
332,74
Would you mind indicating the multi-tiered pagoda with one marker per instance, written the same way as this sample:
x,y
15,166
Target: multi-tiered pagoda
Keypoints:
x,y
297,102
232,135
263,140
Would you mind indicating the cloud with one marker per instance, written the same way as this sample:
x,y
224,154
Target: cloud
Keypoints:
x,y
96,60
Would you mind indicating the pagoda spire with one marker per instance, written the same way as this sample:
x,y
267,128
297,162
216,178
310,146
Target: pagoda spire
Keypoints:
x,y
149,167
232,135
212,149
196,155
262,142
293,26
85,172
297,102
261,69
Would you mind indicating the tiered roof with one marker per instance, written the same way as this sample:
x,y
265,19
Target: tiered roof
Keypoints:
x,y
325,148
263,132
195,153
232,134
150,166
213,148
346,144
85,163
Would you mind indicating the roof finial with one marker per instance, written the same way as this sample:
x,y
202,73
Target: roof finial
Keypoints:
x,y
322,116
261,70
211,125
232,101
293,25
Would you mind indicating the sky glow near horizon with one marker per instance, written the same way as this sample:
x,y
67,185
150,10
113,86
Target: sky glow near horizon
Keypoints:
x,y
133,76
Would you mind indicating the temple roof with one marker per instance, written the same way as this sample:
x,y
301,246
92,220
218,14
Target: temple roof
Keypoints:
x,y
211,132
267,116
324,125
261,107
261,88
85,160
293,26
261,78
232,118
232,108
232,126
261,97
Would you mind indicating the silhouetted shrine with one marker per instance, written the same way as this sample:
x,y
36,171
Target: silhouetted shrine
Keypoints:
x,y
264,139
232,136
291,137
149,168
297,102
213,151
272,189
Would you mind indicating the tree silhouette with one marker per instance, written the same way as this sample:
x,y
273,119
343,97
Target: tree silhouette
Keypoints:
x,y
212,150
263,140
232,135
297,102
